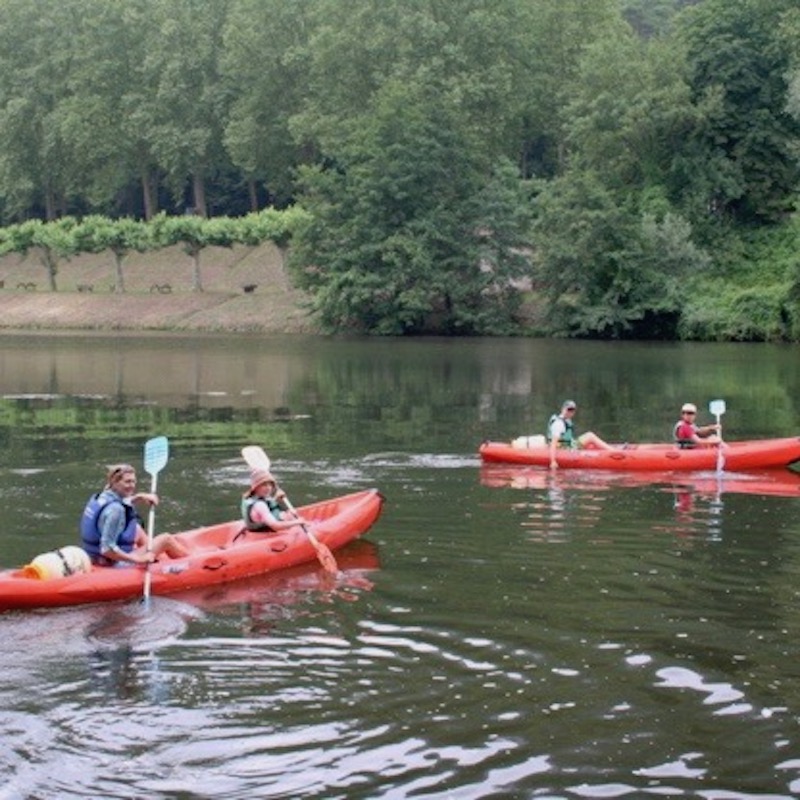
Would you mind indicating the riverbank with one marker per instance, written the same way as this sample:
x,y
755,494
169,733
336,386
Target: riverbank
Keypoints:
x,y
245,289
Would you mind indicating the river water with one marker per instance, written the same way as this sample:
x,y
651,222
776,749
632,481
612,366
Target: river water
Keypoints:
x,y
498,633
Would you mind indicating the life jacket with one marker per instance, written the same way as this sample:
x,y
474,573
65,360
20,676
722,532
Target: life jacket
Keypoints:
x,y
90,528
567,438
247,507
684,444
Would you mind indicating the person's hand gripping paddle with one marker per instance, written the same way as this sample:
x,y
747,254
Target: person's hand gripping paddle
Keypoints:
x,y
256,458
156,454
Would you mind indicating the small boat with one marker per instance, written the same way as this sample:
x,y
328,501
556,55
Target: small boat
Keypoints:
x,y
736,456
217,554
775,482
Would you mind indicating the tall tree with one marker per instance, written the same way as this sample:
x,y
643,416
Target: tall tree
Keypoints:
x,y
186,107
36,168
398,226
104,115
735,50
263,72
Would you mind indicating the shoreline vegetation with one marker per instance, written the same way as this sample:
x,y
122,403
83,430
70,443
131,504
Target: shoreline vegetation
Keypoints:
x,y
246,290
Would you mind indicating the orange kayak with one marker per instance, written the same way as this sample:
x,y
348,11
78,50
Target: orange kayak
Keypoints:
x,y
737,456
217,554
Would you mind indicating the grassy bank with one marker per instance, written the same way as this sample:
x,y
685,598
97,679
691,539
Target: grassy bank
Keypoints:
x,y
244,290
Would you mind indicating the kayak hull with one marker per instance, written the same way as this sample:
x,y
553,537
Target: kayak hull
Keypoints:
x,y
217,554
737,456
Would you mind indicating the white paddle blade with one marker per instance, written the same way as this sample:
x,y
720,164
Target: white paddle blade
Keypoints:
x,y
156,454
255,457
717,407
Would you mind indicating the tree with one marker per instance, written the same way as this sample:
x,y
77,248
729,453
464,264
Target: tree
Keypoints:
x,y
94,234
263,75
35,168
186,104
606,269
394,240
52,241
106,114
194,234
735,49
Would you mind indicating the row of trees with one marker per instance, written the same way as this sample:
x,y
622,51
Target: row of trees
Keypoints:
x,y
622,156
67,237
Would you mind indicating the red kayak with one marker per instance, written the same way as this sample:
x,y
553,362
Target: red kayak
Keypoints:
x,y
217,554
737,456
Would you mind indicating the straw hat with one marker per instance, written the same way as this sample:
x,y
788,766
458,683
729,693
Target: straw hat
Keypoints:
x,y
258,477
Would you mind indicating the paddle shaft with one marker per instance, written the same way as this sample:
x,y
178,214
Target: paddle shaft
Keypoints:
x,y
717,408
156,454
324,555
151,524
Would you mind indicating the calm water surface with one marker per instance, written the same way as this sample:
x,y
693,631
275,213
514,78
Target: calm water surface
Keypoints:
x,y
498,634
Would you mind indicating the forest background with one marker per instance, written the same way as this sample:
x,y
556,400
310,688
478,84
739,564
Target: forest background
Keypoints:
x,y
592,168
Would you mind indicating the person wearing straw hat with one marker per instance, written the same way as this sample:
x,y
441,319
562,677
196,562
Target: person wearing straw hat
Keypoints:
x,y
687,434
110,529
264,507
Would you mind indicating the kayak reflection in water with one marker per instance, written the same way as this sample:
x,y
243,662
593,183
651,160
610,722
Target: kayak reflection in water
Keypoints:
x,y
111,532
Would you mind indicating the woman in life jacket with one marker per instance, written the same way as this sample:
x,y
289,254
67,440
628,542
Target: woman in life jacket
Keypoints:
x,y
110,529
264,506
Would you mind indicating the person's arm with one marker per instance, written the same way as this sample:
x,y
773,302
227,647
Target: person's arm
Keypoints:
x,y
707,430
557,428
111,523
145,497
260,512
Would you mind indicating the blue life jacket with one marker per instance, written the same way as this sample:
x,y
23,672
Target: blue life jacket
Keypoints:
x,y
90,527
567,439
247,507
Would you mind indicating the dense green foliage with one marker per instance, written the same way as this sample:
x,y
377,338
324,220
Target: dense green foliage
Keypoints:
x,y
635,162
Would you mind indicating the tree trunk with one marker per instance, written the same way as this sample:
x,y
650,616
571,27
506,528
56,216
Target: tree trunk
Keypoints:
x,y
49,205
199,189
50,260
149,195
253,192
120,279
198,283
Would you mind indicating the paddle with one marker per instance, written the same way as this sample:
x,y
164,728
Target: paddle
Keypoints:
x,y
156,453
717,408
256,458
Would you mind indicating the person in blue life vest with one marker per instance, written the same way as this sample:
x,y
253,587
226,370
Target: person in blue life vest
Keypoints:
x,y
264,506
110,529
561,434
687,434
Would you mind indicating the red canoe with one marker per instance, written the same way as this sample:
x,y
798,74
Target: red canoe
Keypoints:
x,y
738,456
217,554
